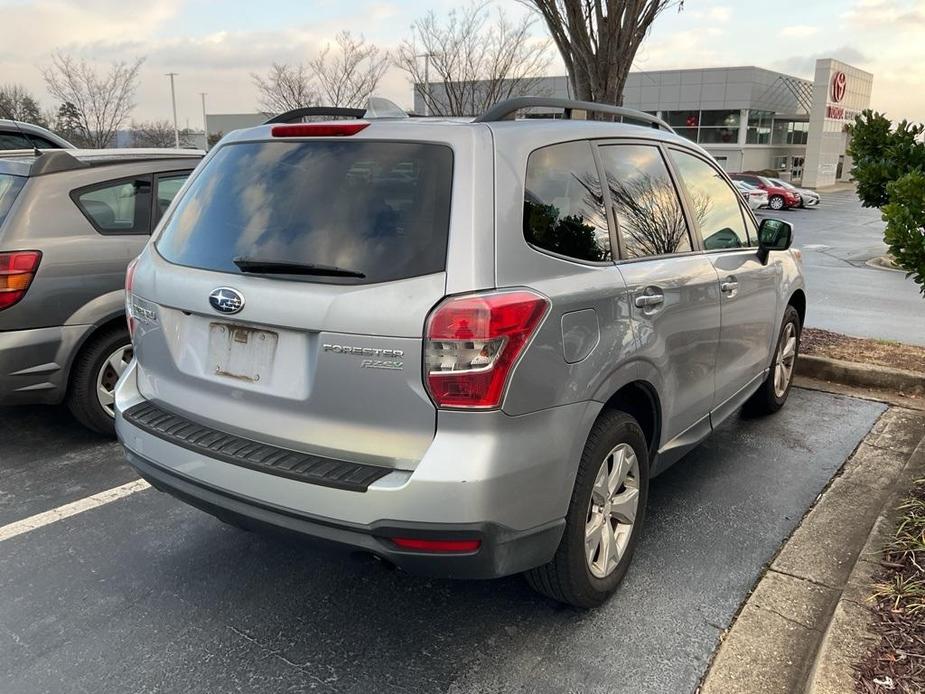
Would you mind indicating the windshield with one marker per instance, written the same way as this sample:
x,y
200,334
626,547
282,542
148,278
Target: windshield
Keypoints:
x,y
9,188
379,210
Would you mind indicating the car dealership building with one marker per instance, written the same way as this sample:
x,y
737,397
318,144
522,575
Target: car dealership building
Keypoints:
x,y
750,118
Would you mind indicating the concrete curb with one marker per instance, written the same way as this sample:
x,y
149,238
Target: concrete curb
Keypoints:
x,y
773,643
848,637
860,375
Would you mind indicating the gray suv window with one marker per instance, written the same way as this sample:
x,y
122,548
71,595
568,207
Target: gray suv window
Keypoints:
x,y
9,188
376,209
563,203
117,207
650,219
714,203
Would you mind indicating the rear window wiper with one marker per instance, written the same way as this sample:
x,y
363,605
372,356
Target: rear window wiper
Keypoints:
x,y
280,267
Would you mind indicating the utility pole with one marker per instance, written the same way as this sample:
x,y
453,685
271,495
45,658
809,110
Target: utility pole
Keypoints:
x,y
426,92
205,126
173,101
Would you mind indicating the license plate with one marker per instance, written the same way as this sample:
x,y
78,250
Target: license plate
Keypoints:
x,y
242,353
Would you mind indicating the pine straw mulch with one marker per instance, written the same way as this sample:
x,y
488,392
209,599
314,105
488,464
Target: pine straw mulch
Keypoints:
x,y
897,662
896,355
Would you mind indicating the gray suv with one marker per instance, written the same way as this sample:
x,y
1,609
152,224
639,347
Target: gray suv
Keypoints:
x,y
70,222
462,347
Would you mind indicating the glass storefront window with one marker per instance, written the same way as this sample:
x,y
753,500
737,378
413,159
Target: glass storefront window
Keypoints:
x,y
788,132
759,127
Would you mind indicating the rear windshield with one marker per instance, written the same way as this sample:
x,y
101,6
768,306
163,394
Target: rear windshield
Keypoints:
x,y
380,209
9,188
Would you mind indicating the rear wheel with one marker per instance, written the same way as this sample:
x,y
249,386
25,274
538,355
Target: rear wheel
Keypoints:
x,y
91,396
604,517
776,202
773,393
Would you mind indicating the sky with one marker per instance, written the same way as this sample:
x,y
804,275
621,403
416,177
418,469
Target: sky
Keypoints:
x,y
216,46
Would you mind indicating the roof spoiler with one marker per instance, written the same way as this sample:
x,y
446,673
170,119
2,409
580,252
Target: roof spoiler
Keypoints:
x,y
376,108
53,161
506,110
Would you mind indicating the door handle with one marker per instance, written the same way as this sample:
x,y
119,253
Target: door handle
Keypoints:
x,y
729,286
649,300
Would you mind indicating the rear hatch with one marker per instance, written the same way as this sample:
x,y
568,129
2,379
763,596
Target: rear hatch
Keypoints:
x,y
285,298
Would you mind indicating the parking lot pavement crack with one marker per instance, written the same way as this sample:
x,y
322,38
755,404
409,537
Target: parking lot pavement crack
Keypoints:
x,y
274,652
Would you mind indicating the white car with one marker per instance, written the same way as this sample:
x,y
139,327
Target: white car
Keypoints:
x,y
755,197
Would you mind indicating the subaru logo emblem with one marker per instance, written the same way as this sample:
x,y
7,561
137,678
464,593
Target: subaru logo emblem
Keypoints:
x,y
226,300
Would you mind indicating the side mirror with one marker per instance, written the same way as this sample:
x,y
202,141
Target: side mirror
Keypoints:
x,y
773,235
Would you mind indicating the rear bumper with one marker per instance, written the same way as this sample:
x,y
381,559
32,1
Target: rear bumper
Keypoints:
x,y
34,363
502,551
504,480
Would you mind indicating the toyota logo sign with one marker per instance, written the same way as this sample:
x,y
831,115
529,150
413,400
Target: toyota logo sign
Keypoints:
x,y
839,86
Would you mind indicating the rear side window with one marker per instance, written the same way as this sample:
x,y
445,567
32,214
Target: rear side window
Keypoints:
x,y
563,203
168,185
117,207
715,204
9,188
379,209
14,141
650,219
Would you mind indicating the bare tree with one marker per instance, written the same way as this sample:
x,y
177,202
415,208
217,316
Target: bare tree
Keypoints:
x,y
477,59
16,103
157,133
284,88
598,40
102,102
349,76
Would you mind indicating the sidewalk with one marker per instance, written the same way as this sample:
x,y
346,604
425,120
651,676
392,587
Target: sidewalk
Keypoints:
x,y
805,624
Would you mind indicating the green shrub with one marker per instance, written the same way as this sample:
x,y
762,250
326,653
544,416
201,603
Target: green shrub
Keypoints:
x,y
889,168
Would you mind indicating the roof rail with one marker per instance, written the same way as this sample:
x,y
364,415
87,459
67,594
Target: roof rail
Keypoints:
x,y
505,110
298,114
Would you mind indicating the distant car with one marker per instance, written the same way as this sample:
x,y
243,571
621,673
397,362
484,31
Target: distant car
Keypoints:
x,y
19,135
755,197
779,198
70,222
808,198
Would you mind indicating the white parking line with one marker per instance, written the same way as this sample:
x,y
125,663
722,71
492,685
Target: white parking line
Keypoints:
x,y
72,509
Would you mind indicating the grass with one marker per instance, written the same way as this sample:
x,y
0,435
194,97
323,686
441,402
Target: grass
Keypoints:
x,y
896,663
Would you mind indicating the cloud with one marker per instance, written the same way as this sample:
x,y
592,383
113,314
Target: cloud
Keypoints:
x,y
805,65
718,13
798,31
900,14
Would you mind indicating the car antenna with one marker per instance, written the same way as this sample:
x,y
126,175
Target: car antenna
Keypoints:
x,y
35,149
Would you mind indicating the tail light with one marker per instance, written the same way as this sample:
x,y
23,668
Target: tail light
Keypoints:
x,y
129,281
17,270
473,343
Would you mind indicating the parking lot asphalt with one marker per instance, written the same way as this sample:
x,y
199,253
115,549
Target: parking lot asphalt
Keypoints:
x,y
845,294
145,594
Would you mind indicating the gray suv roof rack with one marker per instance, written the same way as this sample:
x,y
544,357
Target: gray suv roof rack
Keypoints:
x,y
298,114
506,109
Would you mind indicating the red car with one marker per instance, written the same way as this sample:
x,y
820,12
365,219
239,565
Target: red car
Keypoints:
x,y
778,198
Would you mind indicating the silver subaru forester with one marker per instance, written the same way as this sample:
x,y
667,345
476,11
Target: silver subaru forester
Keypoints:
x,y
464,347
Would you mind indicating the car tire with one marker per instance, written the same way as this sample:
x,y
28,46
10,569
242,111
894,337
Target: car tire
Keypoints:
x,y
100,362
587,577
776,203
773,393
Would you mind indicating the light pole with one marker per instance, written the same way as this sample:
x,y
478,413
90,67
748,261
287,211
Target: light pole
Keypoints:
x,y
173,101
426,94
205,126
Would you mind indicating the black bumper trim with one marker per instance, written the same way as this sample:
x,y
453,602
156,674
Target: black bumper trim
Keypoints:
x,y
503,551
229,448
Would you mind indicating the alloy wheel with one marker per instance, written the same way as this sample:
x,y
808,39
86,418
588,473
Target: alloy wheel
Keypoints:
x,y
109,374
612,510
784,360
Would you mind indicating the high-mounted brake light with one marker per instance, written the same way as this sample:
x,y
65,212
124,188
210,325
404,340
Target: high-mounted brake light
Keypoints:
x,y
318,129
419,545
17,270
473,342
